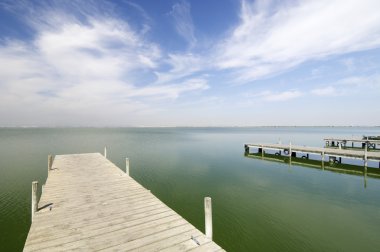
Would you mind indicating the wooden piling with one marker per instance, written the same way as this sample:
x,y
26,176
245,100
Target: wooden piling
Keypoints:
x,y
105,151
323,160
246,149
127,166
208,218
34,198
50,162
365,156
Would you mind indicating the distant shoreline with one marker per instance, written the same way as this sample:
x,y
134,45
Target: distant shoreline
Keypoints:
x,y
171,127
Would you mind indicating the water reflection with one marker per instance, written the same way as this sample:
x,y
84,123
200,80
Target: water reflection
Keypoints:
x,y
330,166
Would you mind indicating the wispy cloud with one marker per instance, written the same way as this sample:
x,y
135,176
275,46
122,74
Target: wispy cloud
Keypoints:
x,y
83,62
171,91
352,85
89,61
275,36
325,91
270,96
147,20
180,66
183,21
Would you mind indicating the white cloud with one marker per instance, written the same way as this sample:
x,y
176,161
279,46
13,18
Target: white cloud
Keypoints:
x,y
183,21
181,65
367,84
86,67
92,67
171,90
326,91
353,85
277,97
276,36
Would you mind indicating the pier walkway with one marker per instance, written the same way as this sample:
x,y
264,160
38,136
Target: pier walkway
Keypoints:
x,y
334,155
89,204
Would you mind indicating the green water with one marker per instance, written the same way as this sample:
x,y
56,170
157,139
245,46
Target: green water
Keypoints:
x,y
258,205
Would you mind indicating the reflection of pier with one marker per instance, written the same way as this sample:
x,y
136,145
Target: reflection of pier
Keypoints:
x,y
344,143
334,155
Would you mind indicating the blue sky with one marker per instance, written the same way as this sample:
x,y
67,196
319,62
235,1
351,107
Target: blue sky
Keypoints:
x,y
189,63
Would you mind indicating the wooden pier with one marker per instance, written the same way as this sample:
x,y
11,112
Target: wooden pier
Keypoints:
x,y
343,143
89,204
334,155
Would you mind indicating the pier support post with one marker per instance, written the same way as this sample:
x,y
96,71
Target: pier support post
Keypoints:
x,y
290,152
323,160
105,151
34,198
208,218
246,149
262,151
50,162
365,157
127,166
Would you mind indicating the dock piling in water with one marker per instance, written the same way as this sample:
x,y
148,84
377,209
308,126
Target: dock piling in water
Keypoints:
x,y
105,151
50,162
34,198
208,218
127,166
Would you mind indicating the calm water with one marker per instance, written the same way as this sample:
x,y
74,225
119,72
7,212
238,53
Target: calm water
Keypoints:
x,y
258,205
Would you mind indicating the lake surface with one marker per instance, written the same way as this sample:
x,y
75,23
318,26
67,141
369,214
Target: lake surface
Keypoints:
x,y
258,205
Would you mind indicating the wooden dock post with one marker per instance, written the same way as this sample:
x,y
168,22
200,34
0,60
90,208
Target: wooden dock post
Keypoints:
x,y
208,218
246,149
34,198
127,166
105,151
323,160
290,152
262,151
365,157
50,162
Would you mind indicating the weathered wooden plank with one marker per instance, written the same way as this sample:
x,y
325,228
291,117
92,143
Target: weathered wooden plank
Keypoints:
x,y
91,230
88,220
114,237
158,241
166,241
90,204
194,242
207,247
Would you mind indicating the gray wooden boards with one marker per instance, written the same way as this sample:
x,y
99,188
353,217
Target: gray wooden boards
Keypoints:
x,y
89,204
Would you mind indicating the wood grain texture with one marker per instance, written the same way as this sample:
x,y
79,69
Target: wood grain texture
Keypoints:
x,y
89,204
